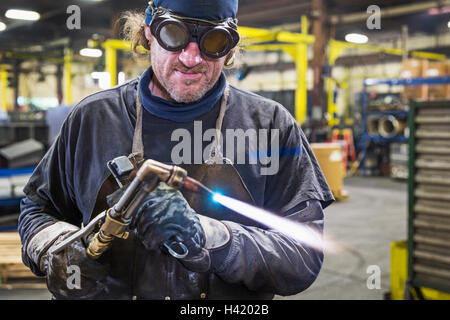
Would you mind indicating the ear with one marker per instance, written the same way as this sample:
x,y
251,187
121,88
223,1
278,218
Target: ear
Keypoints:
x,y
229,61
148,34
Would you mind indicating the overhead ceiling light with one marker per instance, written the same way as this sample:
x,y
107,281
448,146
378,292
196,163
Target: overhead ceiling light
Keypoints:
x,y
448,24
89,52
22,14
2,26
356,38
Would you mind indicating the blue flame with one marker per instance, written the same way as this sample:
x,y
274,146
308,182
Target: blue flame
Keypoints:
x,y
215,196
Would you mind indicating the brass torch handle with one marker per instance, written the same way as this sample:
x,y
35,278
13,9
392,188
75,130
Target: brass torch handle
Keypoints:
x,y
118,217
99,244
111,228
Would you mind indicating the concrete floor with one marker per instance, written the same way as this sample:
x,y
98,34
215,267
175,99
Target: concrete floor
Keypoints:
x,y
364,226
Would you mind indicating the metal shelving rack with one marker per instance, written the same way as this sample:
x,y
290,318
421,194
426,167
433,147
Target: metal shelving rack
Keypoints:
x,y
429,198
365,137
11,172
9,207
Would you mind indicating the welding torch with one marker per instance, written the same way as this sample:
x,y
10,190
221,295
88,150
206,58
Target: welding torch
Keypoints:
x,y
115,220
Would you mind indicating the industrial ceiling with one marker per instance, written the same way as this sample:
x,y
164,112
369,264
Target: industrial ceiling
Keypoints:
x,y
97,17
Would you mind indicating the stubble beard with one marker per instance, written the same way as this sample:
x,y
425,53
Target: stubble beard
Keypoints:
x,y
188,95
173,92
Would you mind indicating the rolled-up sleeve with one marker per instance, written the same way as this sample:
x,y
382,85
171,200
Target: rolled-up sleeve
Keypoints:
x,y
49,197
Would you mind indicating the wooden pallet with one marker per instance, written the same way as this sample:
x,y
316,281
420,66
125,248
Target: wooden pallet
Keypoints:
x,y
11,265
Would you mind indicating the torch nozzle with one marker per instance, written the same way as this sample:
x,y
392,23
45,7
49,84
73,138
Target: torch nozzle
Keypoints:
x,y
195,186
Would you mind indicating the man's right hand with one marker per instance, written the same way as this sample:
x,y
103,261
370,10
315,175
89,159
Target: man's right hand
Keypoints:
x,y
71,274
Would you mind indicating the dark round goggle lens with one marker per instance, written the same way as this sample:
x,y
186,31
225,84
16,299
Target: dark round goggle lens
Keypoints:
x,y
216,42
173,36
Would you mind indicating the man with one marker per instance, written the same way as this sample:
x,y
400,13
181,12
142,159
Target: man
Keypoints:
x,y
184,89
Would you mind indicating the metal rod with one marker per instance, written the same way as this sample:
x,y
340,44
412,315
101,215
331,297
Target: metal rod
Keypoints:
x,y
79,234
137,201
126,197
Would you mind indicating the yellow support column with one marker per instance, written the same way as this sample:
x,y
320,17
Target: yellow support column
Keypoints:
x,y
335,49
301,64
3,86
332,107
25,92
68,76
399,274
111,63
345,85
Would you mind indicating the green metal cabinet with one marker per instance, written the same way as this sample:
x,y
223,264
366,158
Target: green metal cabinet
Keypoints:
x,y
429,197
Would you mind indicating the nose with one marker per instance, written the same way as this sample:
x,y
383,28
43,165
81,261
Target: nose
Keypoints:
x,y
191,55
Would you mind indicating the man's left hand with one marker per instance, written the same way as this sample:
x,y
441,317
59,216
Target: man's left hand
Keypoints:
x,y
164,217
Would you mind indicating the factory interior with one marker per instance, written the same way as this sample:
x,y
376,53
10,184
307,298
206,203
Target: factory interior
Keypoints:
x,y
368,82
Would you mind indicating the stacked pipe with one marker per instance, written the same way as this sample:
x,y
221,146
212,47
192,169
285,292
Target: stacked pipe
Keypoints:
x,y
386,126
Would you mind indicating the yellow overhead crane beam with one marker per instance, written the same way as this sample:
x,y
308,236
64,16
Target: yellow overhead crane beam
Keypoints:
x,y
337,47
3,86
251,36
257,35
27,56
428,55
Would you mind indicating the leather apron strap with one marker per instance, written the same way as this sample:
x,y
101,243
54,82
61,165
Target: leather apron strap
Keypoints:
x,y
215,154
138,145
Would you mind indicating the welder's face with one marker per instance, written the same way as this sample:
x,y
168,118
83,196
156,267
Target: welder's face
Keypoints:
x,y
185,75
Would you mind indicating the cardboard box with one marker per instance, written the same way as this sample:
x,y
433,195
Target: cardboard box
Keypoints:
x,y
436,69
329,156
413,68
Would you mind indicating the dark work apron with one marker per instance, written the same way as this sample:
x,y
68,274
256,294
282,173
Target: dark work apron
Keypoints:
x,y
138,273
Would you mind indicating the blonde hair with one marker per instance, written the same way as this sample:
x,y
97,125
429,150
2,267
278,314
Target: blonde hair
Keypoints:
x,y
133,30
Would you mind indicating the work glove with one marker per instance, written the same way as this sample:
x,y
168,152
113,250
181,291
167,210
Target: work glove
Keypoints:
x,y
166,217
71,274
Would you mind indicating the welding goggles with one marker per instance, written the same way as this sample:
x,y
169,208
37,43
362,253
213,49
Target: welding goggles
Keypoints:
x,y
174,33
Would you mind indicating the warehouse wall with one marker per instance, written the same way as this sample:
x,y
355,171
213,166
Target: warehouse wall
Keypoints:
x,y
31,87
